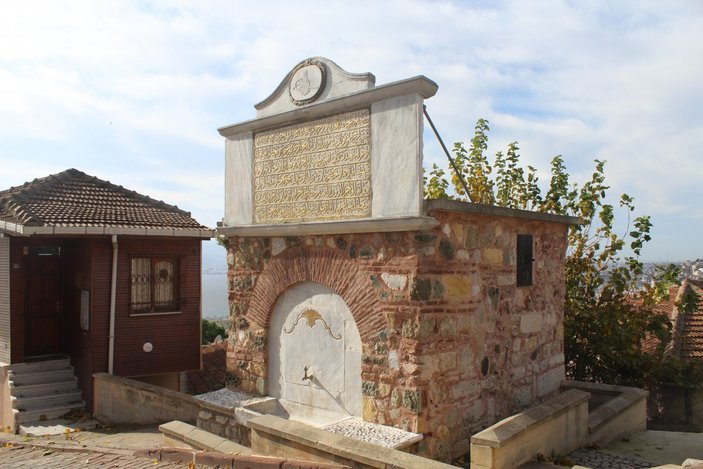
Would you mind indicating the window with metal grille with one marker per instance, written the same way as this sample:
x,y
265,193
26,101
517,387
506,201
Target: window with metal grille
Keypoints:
x,y
524,260
154,285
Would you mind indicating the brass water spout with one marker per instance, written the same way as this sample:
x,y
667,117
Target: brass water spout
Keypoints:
x,y
307,376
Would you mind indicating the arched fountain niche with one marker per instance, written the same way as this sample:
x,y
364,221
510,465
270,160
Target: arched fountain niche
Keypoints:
x,y
315,355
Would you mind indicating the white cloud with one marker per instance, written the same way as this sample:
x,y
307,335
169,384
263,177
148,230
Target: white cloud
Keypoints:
x,y
104,85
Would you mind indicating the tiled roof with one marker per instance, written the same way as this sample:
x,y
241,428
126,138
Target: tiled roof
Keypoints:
x,y
687,340
74,199
692,334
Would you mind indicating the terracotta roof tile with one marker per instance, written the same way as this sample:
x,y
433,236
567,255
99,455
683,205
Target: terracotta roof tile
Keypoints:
x,y
692,336
651,342
74,199
687,341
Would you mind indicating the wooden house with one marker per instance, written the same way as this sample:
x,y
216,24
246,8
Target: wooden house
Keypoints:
x,y
96,278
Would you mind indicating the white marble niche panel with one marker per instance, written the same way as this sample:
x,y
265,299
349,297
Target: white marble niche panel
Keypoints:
x,y
312,327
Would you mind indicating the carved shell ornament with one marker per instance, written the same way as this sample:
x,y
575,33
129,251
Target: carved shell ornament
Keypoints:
x,y
307,82
312,317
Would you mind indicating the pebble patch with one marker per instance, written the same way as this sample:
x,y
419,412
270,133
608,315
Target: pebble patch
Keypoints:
x,y
227,398
381,435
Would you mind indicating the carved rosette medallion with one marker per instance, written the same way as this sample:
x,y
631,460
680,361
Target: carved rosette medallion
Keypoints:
x,y
307,82
318,170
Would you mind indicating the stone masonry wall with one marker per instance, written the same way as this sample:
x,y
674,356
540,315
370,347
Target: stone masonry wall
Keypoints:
x,y
450,344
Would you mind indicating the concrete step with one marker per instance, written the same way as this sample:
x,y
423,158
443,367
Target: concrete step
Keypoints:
x,y
41,402
42,377
41,366
51,413
48,389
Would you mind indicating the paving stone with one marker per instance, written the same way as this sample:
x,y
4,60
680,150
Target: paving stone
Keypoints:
x,y
36,457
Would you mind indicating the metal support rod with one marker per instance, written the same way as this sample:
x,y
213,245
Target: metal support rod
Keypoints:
x,y
446,152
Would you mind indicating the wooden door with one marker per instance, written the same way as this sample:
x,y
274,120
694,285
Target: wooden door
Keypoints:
x,y
44,301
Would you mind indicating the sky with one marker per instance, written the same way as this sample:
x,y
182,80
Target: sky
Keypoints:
x,y
133,91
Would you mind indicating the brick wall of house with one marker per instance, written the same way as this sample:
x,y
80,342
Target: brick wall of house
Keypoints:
x,y
450,343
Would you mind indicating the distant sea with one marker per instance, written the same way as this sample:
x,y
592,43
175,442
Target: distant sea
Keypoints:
x,y
215,296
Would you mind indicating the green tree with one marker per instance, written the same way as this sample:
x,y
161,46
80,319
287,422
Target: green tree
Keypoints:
x,y
607,317
211,330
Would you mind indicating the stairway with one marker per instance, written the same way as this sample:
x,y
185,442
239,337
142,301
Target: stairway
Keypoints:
x,y
43,390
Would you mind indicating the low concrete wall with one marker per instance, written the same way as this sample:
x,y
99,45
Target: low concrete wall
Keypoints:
x,y
6,412
179,434
675,408
125,401
225,422
275,436
615,411
558,425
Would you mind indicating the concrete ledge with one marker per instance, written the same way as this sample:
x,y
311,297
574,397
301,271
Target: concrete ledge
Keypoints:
x,y
286,438
558,425
420,85
219,452
484,209
120,400
615,411
365,225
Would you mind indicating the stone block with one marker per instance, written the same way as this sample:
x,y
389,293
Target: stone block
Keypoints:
x,y
395,282
492,256
557,359
443,432
221,419
465,361
446,249
471,239
393,362
522,395
505,280
447,361
427,325
466,389
369,388
370,410
481,455
463,255
457,288
550,381
421,289
447,327
531,323
412,400
426,250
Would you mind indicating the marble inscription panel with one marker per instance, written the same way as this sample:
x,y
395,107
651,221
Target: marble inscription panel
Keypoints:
x,y
318,170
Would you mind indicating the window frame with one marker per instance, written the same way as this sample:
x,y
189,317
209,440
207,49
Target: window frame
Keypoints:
x,y
524,260
174,304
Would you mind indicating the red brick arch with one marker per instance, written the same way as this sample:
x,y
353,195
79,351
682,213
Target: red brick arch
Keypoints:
x,y
322,265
